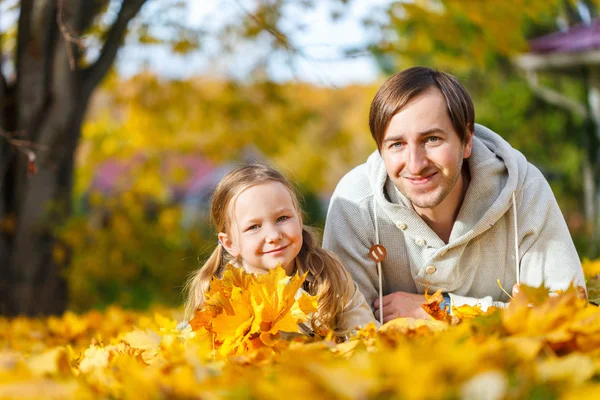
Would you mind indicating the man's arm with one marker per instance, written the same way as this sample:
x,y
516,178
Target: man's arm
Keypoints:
x,y
548,255
546,251
349,234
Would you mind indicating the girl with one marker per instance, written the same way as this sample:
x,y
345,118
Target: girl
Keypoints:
x,y
256,212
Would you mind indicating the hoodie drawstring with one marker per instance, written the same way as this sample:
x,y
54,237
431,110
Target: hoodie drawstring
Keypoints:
x,y
379,273
518,272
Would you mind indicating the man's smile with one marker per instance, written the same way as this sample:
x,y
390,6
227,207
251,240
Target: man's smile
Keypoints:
x,y
420,180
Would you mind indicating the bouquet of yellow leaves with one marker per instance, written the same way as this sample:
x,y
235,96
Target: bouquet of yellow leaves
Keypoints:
x,y
244,312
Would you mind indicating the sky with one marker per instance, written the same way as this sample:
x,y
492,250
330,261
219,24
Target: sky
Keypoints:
x,y
322,42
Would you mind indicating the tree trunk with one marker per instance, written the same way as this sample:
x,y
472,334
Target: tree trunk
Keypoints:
x,y
589,202
594,151
50,96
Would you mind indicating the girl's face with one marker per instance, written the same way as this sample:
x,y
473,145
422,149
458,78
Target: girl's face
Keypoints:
x,y
266,228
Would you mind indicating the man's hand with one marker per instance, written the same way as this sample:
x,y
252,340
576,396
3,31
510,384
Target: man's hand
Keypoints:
x,y
515,290
401,304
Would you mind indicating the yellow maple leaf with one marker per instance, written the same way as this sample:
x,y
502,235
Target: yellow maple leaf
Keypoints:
x,y
94,357
43,389
412,326
573,368
534,312
232,330
272,299
244,312
51,362
303,307
148,342
590,268
70,326
467,312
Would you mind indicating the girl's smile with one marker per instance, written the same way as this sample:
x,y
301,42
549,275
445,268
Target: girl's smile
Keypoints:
x,y
276,251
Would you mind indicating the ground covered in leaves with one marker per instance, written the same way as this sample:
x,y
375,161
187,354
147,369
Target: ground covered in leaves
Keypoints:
x,y
540,347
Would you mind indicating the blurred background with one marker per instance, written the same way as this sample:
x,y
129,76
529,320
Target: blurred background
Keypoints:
x,y
119,117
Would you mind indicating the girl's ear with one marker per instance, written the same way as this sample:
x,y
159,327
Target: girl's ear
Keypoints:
x,y
228,244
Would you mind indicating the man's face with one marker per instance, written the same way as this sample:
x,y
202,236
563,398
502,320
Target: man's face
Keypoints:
x,y
422,152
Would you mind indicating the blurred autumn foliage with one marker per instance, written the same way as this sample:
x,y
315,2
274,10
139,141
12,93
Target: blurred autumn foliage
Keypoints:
x,y
219,120
466,36
133,241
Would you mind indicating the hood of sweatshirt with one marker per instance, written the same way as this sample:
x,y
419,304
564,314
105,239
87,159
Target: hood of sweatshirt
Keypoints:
x,y
497,171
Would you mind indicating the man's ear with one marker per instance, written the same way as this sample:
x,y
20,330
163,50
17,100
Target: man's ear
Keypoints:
x,y
228,244
468,141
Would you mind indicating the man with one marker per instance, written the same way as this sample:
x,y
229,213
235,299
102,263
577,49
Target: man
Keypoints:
x,y
444,197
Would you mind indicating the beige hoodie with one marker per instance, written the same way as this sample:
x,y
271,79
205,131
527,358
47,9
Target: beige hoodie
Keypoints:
x,y
481,248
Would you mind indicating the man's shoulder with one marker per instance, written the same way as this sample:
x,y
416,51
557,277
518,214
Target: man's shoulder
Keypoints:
x,y
522,173
536,184
355,186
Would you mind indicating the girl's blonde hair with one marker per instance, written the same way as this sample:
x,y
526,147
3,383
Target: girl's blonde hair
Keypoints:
x,y
326,278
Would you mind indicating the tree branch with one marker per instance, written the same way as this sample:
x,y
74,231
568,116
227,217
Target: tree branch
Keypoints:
x,y
95,72
23,33
87,11
73,43
556,98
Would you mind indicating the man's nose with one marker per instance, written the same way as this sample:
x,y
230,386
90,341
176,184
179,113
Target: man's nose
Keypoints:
x,y
417,160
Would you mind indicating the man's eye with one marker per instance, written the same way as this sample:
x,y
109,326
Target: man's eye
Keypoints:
x,y
433,139
396,145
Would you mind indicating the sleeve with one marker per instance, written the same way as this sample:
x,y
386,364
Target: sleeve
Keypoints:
x,y
484,303
548,255
356,313
349,234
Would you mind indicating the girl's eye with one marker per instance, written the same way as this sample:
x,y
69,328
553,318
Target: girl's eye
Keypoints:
x,y
253,227
282,218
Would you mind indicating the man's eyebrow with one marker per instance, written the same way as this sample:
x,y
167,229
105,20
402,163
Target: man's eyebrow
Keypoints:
x,y
424,133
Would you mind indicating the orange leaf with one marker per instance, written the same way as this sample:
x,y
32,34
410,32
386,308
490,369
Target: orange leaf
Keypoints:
x,y
432,307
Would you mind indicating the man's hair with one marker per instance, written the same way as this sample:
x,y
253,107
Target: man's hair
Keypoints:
x,y
403,86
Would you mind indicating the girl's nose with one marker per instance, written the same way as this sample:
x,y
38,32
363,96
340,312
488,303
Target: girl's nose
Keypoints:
x,y
273,235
